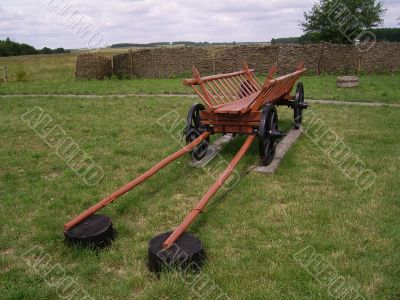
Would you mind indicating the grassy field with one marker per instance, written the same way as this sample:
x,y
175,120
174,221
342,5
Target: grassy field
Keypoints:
x,y
251,233
54,74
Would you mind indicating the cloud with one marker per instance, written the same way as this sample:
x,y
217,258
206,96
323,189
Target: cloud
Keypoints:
x,y
45,23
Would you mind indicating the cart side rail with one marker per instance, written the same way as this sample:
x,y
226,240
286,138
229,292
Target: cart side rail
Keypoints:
x,y
221,89
278,88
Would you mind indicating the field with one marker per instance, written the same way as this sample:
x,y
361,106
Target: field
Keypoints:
x,y
54,74
254,234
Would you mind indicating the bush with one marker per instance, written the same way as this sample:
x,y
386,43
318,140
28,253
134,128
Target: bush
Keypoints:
x,y
21,76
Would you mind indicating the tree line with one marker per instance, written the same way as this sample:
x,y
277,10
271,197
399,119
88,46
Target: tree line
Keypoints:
x,y
343,22
382,35
10,48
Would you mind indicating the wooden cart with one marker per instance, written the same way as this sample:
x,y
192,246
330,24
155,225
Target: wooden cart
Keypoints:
x,y
233,103
239,103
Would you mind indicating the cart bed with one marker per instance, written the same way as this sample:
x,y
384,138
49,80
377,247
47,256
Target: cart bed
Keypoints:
x,y
241,92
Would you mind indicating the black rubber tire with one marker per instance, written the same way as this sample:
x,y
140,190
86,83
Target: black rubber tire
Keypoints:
x,y
94,232
187,254
194,129
297,109
267,144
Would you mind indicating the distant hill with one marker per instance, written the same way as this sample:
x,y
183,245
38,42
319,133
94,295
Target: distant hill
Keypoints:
x,y
10,48
130,45
184,43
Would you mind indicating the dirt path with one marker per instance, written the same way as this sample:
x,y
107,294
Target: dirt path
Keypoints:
x,y
331,102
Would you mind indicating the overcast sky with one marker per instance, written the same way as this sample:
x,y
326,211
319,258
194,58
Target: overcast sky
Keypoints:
x,y
84,23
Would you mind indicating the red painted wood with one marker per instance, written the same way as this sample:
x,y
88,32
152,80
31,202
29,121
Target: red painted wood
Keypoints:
x,y
114,196
210,193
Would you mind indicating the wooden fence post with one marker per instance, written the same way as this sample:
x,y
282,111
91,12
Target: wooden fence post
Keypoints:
x,y
131,60
359,65
98,68
4,74
154,62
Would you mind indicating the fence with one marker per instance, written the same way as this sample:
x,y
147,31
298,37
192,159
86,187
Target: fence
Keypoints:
x,y
3,73
91,66
318,58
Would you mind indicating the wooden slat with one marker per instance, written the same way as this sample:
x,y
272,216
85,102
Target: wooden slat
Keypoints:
x,y
239,106
233,129
249,86
189,82
248,117
242,88
254,82
209,105
242,92
259,85
222,91
235,86
236,82
217,97
231,87
221,95
208,122
230,96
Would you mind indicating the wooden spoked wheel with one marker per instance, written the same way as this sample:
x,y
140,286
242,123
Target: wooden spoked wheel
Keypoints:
x,y
194,129
268,134
298,106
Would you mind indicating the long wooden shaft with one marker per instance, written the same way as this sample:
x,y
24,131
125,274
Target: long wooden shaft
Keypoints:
x,y
92,210
211,192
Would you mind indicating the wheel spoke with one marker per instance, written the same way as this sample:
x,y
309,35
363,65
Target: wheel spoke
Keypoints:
x,y
194,129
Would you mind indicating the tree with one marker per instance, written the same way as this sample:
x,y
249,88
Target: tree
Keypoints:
x,y
289,40
10,48
46,50
342,21
387,34
60,50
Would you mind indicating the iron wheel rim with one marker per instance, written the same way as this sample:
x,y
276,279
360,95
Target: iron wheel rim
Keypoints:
x,y
194,129
298,103
267,143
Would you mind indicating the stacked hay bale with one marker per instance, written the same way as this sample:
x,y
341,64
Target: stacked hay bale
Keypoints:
x,y
92,66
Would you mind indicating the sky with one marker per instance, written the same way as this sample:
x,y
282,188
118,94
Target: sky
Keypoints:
x,y
98,23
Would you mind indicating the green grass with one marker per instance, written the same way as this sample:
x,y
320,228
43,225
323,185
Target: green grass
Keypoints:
x,y
250,233
54,74
373,88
